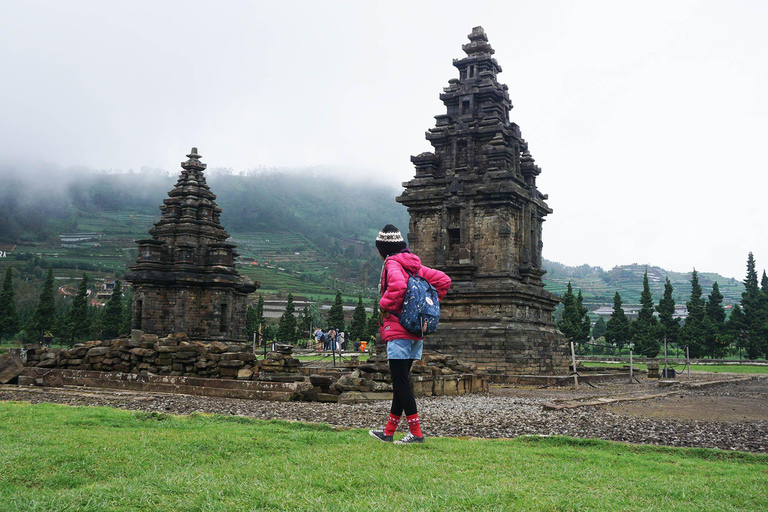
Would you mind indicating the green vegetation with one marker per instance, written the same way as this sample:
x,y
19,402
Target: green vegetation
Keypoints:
x,y
9,318
714,368
57,457
645,332
574,323
286,329
599,286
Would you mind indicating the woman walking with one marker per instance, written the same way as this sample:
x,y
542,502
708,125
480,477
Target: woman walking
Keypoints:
x,y
403,347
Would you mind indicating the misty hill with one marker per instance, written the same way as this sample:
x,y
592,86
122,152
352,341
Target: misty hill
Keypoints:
x,y
296,231
599,286
35,206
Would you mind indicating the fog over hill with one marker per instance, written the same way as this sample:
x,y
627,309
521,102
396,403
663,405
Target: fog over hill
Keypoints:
x,y
37,203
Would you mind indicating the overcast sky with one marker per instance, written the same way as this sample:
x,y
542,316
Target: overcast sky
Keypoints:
x,y
649,119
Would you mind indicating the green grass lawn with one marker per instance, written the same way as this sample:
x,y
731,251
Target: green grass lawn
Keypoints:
x,y
63,458
714,368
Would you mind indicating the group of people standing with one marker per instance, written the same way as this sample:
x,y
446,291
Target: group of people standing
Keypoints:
x,y
332,339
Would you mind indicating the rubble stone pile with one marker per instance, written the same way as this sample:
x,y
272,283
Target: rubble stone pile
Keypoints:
x,y
143,353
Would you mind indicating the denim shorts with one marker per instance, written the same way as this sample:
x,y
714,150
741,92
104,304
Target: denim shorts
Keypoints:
x,y
404,349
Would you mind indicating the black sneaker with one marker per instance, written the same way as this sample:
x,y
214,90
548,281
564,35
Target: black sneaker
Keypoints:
x,y
410,439
381,436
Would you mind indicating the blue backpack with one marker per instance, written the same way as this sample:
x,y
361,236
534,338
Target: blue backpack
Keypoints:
x,y
421,307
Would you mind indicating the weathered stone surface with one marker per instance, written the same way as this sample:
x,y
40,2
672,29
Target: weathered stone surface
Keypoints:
x,y
184,280
234,363
11,366
217,347
322,380
355,397
374,368
245,374
98,351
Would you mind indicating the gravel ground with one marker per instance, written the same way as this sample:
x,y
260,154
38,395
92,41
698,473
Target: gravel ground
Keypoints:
x,y
502,413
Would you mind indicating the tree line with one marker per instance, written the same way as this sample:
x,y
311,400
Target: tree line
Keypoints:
x,y
707,330
65,322
290,329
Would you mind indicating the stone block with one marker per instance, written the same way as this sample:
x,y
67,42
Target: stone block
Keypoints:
x,y
25,380
97,351
143,352
249,356
244,374
228,373
149,339
375,385
11,366
217,347
354,397
322,380
231,364
77,352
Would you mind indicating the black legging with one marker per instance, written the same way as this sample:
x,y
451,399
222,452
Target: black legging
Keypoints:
x,y
402,394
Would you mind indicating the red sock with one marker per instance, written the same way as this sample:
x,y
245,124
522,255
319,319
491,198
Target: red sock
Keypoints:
x,y
392,424
414,425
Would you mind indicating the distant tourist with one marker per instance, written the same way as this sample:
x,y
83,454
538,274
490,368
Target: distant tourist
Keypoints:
x,y
318,335
342,341
403,347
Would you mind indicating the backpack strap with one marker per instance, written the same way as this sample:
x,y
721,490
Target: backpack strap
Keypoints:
x,y
385,283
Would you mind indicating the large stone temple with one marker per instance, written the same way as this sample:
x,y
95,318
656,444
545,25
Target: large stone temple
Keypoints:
x,y
184,279
477,214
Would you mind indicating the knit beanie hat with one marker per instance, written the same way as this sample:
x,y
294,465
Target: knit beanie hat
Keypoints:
x,y
390,241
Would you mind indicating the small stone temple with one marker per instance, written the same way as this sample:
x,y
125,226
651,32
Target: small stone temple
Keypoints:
x,y
184,280
477,214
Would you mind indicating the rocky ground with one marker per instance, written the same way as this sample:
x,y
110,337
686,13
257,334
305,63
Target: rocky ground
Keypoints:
x,y
728,416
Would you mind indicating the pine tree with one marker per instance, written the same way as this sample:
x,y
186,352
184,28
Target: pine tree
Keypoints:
x,y
584,322
754,311
251,322
736,327
286,328
692,332
336,314
357,327
260,313
598,330
617,331
113,312
9,317
645,329
669,327
78,321
372,327
763,336
305,323
568,324
44,317
715,340
126,322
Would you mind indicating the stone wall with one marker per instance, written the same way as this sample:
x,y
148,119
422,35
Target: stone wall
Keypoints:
x,y
203,312
148,354
147,363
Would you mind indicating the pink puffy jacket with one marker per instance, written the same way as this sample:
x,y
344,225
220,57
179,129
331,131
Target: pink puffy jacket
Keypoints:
x,y
394,291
